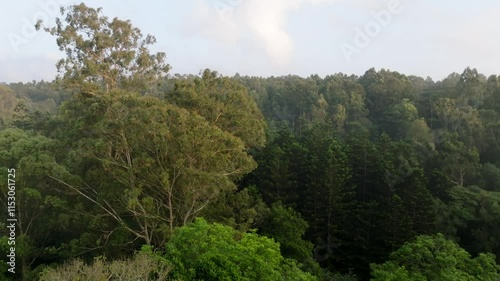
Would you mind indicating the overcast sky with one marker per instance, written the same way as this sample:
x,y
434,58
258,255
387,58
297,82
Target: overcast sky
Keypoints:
x,y
278,37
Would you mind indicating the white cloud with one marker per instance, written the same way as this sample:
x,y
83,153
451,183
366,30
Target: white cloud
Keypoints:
x,y
264,20
212,22
267,21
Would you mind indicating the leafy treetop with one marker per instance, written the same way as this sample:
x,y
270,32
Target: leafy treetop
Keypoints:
x,y
103,54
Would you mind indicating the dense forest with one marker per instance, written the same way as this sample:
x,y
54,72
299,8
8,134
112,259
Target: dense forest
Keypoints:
x,y
124,171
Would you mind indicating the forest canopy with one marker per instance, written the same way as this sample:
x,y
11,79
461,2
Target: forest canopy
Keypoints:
x,y
120,164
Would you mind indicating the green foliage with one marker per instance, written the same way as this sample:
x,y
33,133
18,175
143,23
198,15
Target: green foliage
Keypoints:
x,y
361,165
102,53
362,192
459,162
474,213
8,102
384,89
277,175
399,117
287,227
490,177
41,211
243,210
203,251
223,103
154,161
436,258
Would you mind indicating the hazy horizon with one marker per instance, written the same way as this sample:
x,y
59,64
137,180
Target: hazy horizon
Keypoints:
x,y
277,37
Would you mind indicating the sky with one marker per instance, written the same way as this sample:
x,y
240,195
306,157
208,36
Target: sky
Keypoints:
x,y
277,37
